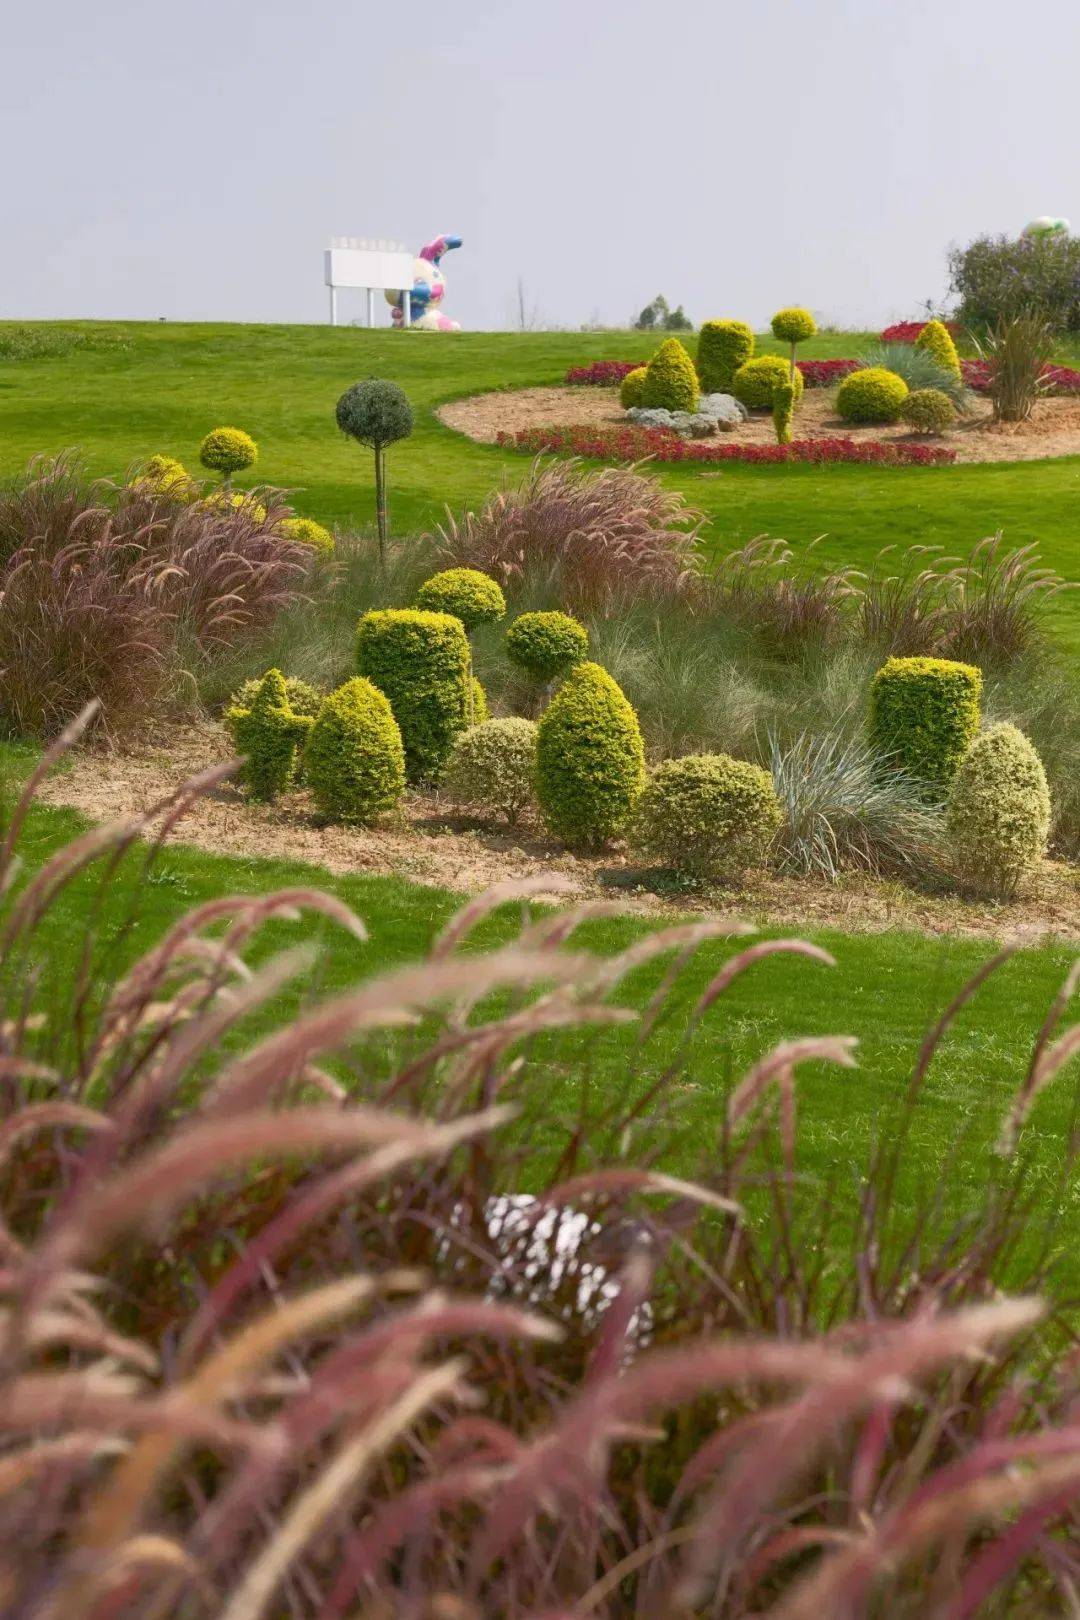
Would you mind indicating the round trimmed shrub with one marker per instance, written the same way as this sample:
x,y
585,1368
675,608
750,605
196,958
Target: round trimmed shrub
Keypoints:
x,y
493,768
420,662
936,339
590,760
998,816
375,412
471,596
306,532
632,387
928,410
723,346
546,645
354,762
671,382
756,382
707,815
793,325
269,734
871,395
228,450
924,713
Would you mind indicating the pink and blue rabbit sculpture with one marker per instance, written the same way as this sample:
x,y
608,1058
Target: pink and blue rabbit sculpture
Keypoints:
x,y
427,290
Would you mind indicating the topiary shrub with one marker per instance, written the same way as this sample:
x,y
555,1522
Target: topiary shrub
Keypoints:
x,y
354,762
420,661
998,816
228,450
923,714
756,382
306,532
928,410
376,413
269,735
793,326
783,409
546,645
871,395
479,712
671,382
301,697
493,768
471,596
707,815
936,339
590,761
723,346
632,387
165,477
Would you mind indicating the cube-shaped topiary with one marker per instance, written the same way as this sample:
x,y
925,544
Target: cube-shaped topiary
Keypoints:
x,y
936,339
783,410
708,815
924,712
871,395
228,450
306,532
723,346
269,735
928,410
671,382
756,382
632,387
471,596
420,661
590,761
492,768
998,816
354,761
546,645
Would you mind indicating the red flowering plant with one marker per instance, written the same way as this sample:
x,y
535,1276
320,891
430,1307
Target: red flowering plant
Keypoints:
x,y
908,331
823,373
601,373
633,444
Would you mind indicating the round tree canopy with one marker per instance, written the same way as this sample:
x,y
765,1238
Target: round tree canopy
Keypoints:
x,y
375,412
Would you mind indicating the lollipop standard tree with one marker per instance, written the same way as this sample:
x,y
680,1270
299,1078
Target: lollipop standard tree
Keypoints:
x,y
793,326
377,414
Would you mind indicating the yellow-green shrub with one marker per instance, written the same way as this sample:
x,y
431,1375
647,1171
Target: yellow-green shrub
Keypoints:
x,y
269,735
783,409
671,382
723,346
928,410
707,815
306,532
999,812
590,761
228,450
756,382
420,661
793,325
546,645
632,387
493,767
240,500
301,696
924,712
471,596
936,339
871,395
165,477
354,762
479,712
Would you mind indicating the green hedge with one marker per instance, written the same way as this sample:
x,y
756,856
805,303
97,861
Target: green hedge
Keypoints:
x,y
924,712
354,761
723,346
590,761
420,661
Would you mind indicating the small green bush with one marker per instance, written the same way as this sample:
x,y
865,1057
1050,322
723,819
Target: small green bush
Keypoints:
x,y
301,697
308,533
756,382
590,761
546,645
269,735
471,596
354,761
793,325
228,450
420,661
928,410
708,815
723,346
671,382
936,339
998,816
871,395
924,712
479,712
632,387
493,768
783,409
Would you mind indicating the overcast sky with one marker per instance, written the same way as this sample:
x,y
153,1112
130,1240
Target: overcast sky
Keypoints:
x,y
193,160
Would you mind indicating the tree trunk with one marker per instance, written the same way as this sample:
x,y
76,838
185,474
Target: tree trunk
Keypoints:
x,y
380,503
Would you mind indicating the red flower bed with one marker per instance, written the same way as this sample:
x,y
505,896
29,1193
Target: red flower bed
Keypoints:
x,y
822,373
602,373
1059,379
630,444
908,331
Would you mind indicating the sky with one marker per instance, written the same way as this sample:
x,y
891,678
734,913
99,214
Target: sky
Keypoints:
x,y
192,161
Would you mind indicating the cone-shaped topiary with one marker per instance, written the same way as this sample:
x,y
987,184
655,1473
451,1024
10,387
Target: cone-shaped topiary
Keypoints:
x,y
228,450
670,379
493,768
756,382
420,661
936,339
923,714
632,387
354,762
871,395
999,812
546,645
783,409
707,815
269,735
793,326
723,346
378,414
471,596
306,532
928,410
590,761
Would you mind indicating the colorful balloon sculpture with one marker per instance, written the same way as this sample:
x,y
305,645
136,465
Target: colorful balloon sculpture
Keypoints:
x,y
1046,225
427,290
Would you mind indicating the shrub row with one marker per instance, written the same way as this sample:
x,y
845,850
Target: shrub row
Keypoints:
x,y
627,445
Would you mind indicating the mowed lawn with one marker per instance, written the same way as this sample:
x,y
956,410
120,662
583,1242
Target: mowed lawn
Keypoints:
x,y
175,382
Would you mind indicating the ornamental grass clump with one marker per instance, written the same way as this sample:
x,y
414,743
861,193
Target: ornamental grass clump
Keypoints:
x,y
920,369
378,414
998,815
723,346
421,662
354,762
269,735
228,450
1018,353
492,769
707,816
924,713
590,759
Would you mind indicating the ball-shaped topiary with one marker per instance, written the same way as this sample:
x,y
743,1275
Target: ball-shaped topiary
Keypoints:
x,y
871,395
632,387
708,815
756,382
936,339
546,645
671,382
793,325
998,815
306,532
378,414
928,410
471,596
590,760
228,450
493,768
924,712
723,346
354,761
269,735
420,661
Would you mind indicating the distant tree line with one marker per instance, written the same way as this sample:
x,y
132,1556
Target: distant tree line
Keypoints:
x,y
660,317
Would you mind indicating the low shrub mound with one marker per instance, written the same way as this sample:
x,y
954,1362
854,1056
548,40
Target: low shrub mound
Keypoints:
x,y
546,645
928,410
871,395
306,532
492,768
420,662
924,713
590,760
756,382
228,450
723,346
671,382
354,763
466,593
632,388
998,816
269,736
707,815
936,341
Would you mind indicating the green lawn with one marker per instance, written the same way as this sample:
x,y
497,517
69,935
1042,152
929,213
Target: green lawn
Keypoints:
x,y
281,383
